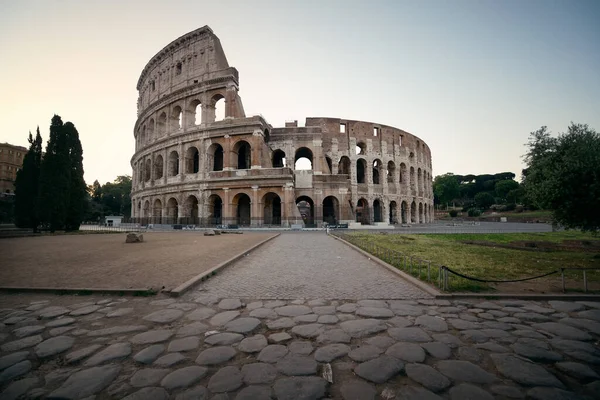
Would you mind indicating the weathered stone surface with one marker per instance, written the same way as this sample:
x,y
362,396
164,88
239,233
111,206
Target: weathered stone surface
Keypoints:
x,y
507,391
294,365
184,344
279,337
170,359
87,382
149,354
302,347
409,352
331,352
196,393
155,336
200,314
409,334
334,336
536,353
292,310
461,324
383,342
224,317
52,312
363,327
28,330
193,329
274,303
242,325
523,372
225,338
432,324
468,391
15,370
254,393
115,351
493,347
566,306
582,323
416,393
117,330
486,305
60,322
562,330
300,388
263,313
577,370
347,308
306,318
80,354
324,310
550,393
230,304
272,353
164,316
13,358
226,379
380,369
404,309
18,388
531,316
216,355
365,353
183,377
134,237
427,376
308,330
375,312
464,371
438,350
54,346
60,331
258,373
253,344
281,323
328,319
120,312
148,377
357,390
21,343
85,310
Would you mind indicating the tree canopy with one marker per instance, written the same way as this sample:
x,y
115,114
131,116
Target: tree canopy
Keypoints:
x,y
563,174
112,198
445,188
27,185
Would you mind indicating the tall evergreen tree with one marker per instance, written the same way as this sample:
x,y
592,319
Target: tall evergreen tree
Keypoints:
x,y
55,178
77,188
27,185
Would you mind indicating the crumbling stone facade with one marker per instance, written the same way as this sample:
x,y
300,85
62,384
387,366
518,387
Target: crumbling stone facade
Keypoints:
x,y
189,167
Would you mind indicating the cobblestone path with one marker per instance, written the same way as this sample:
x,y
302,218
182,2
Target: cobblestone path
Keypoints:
x,y
203,347
308,265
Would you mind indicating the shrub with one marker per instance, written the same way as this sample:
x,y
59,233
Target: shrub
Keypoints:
x,y
453,213
510,207
473,212
519,208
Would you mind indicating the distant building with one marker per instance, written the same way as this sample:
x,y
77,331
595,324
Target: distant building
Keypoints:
x,y
11,160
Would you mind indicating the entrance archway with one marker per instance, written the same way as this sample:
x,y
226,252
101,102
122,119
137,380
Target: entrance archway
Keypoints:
x,y
331,209
413,212
242,205
272,209
393,213
403,211
377,211
242,150
157,212
172,211
215,210
306,207
191,206
362,212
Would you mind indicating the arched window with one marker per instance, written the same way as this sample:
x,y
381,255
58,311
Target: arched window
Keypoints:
x,y
361,148
192,161
391,172
194,113
215,152
148,170
157,212
191,207
413,183
150,131
362,212
172,211
173,163
306,208
242,205
215,210
158,167
143,136
403,177
344,166
393,213
361,167
271,209
162,124
243,152
303,160
218,106
377,211
176,116
278,159
377,172
331,207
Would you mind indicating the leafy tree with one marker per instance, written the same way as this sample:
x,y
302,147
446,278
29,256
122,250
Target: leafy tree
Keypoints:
x,y
503,187
77,187
563,175
484,200
27,185
445,188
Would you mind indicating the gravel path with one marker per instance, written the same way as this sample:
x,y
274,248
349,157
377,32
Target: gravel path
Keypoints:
x,y
308,265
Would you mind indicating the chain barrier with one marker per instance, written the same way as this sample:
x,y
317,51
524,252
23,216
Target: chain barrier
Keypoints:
x,y
497,281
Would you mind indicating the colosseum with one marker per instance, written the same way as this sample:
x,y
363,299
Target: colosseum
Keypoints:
x,y
192,166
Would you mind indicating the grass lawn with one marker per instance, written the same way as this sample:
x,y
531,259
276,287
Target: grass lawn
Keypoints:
x,y
503,256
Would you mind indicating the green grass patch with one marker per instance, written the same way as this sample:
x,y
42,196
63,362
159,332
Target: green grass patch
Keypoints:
x,y
482,260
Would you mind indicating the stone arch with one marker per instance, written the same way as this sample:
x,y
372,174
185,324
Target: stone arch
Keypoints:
x,y
303,153
192,160
344,166
413,212
172,211
176,119
393,217
391,171
271,209
215,210
420,213
146,209
377,171
173,163
404,212
215,157
157,211
413,189
419,182
148,170
158,167
331,210
306,208
360,149
217,107
161,125
425,213
243,206
243,154
150,131
363,212
329,164
191,208
403,177
279,159
142,140
377,211
361,169
194,112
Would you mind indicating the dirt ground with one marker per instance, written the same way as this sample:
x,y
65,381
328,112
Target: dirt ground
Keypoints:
x,y
106,261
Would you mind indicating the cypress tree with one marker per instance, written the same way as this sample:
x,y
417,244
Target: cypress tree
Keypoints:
x,y
27,185
55,178
77,187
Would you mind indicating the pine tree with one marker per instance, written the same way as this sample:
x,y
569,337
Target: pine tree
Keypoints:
x,y
77,188
55,178
27,185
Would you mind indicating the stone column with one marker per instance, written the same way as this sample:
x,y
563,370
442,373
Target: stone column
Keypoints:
x,y
227,154
255,215
227,214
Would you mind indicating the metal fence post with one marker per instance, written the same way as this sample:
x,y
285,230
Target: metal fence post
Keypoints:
x,y
410,266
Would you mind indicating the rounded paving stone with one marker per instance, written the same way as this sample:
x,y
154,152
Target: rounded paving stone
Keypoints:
x,y
230,304
334,336
365,353
427,376
87,382
301,347
196,393
148,377
347,308
374,312
464,371
272,353
432,324
324,310
119,312
357,390
60,322
328,319
254,393
113,352
409,352
85,310
292,311
15,370
193,329
18,388
170,359
524,372
306,319
536,353
331,352
362,327
577,370
226,379
13,358
242,325
281,323
80,354
200,314
16,345
184,344
416,393
562,330
164,316
546,393
409,334
507,391
258,373
183,377
380,369
300,388
28,330
263,313
253,344
216,355
225,338
308,330
383,342
149,354
294,365
279,337
437,350
54,346
466,391
150,337
148,393
224,317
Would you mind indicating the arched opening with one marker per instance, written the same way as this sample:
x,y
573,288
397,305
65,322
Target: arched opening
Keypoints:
x,y
195,113
303,160
278,159
172,211
362,212
403,173
219,107
143,137
157,212
146,210
176,116
403,212
361,148
413,212
267,135
419,182
173,163
191,206
271,209
361,167
391,171
425,214
150,131
158,167
344,166
215,153
161,125
192,161
413,189
242,205
393,213
331,211
242,151
306,207
215,210
377,211
329,165
141,172
377,172
421,213
147,175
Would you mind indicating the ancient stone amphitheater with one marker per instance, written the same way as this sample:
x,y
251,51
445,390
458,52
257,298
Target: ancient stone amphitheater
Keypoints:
x,y
189,167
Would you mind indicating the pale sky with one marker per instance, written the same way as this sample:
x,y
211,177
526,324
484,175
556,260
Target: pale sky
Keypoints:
x,y
471,78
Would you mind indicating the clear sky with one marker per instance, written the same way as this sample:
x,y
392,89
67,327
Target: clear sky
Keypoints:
x,y
471,78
